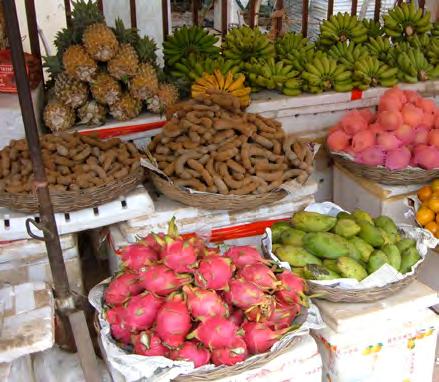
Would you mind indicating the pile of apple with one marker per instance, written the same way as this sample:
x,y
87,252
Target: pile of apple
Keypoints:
x,y
404,132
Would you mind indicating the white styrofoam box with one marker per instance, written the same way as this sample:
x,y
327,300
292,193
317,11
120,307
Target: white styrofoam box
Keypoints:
x,y
428,273
26,261
351,192
10,115
342,317
394,350
27,326
136,203
19,370
300,364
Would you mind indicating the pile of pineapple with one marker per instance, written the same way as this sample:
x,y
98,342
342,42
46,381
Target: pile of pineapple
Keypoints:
x,y
99,70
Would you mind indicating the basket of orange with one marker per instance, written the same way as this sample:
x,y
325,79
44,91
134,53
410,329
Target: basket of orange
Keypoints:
x,y
427,211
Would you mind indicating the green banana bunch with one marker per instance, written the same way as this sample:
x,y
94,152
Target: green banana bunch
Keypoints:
x,y
269,74
435,30
340,28
370,72
292,42
374,28
379,47
414,66
347,54
189,40
433,52
405,20
323,73
420,41
299,58
243,43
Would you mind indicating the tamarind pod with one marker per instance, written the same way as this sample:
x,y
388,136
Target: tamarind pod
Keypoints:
x,y
230,182
161,149
302,178
221,186
237,175
206,122
191,117
220,136
175,146
265,142
213,108
299,151
188,144
73,187
225,124
224,155
169,169
162,165
212,189
194,137
194,184
121,173
154,142
64,180
269,176
134,166
91,160
190,173
201,170
248,189
132,149
61,161
115,168
83,154
181,161
235,166
172,132
296,163
203,160
270,166
292,173
62,150
98,170
309,157
289,153
245,156
207,136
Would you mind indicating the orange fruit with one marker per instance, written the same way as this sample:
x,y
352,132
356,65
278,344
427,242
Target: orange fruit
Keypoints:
x,y
433,204
433,227
435,185
437,218
424,216
425,193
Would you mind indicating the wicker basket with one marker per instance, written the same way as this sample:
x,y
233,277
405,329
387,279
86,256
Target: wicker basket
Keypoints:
x,y
69,201
336,294
210,201
385,176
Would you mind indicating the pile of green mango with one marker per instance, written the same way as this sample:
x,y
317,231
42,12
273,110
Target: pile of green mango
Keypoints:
x,y
323,247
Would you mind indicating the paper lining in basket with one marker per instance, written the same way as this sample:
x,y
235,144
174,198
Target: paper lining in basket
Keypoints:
x,y
160,369
383,276
290,187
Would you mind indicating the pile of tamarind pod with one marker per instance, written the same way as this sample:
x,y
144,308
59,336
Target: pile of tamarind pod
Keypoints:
x,y
72,162
208,144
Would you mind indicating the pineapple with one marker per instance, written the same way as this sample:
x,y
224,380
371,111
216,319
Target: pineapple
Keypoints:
x,y
84,13
125,108
145,83
105,89
78,64
166,97
58,117
69,91
146,49
92,114
100,42
125,63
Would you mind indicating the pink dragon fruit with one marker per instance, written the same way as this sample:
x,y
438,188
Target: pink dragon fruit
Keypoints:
x,y
244,255
260,275
237,352
421,135
179,255
214,272
260,338
412,96
137,256
237,317
362,140
191,351
388,141
161,280
148,344
173,321
154,241
141,311
283,315
292,289
203,303
121,288
120,333
353,122
372,156
216,332
262,311
244,294
398,159
114,315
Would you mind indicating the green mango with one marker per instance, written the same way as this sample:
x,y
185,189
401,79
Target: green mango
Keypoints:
x,y
326,245
350,268
393,255
277,229
409,258
346,228
370,234
331,265
345,215
376,260
386,224
292,236
298,271
359,214
364,248
404,244
318,272
388,238
354,253
296,256
275,246
313,221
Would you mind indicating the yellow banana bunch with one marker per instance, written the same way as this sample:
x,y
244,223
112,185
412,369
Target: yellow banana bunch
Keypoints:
x,y
225,83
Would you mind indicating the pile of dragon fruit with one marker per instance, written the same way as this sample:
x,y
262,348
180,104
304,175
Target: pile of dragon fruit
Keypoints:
x,y
180,299
404,132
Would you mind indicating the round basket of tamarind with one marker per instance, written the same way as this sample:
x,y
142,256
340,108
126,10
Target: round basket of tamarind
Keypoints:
x,y
211,154
82,172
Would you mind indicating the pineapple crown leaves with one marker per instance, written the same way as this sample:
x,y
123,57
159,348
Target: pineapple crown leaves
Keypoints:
x,y
85,13
125,35
146,50
63,39
53,65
